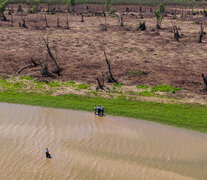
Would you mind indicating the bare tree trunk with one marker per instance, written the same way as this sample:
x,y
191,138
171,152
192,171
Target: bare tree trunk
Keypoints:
x,y
24,22
58,22
141,27
201,34
82,20
52,57
67,22
105,21
110,77
12,21
176,32
44,70
46,24
100,85
158,24
121,19
3,16
205,82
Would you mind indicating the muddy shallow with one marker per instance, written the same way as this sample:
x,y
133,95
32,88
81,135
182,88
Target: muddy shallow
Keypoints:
x,y
85,146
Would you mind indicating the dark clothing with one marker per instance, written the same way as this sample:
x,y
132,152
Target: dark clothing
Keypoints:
x,y
47,155
99,110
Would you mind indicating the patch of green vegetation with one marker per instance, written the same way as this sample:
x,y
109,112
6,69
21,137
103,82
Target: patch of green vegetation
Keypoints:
x,y
68,83
141,86
131,93
83,86
164,88
136,72
54,84
94,93
26,77
112,10
10,85
181,115
117,85
205,12
145,93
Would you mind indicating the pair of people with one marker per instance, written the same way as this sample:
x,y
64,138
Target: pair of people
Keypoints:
x,y
99,109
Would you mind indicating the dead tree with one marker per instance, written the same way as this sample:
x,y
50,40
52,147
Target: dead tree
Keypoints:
x,y
121,18
59,69
103,26
67,23
35,21
176,32
12,20
100,85
82,20
140,9
201,34
58,21
23,21
205,82
44,70
46,24
31,65
19,8
110,77
141,27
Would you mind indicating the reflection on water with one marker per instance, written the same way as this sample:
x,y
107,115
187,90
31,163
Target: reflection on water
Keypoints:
x,y
85,146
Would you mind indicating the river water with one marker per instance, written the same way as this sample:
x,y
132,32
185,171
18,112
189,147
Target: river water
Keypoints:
x,y
85,146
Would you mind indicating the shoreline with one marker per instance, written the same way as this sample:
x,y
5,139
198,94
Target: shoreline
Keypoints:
x,y
141,102
189,116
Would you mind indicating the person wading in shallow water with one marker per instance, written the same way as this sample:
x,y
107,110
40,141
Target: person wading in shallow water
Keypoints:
x,y
102,110
95,109
47,153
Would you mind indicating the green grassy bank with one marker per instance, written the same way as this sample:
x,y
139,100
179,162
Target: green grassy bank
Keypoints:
x,y
181,115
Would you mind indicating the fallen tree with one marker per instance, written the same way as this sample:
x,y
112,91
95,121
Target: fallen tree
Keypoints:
x,y
31,65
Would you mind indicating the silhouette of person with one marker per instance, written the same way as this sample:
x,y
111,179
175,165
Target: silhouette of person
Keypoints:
x,y
47,153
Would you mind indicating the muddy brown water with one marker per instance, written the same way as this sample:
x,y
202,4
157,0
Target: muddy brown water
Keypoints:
x,y
85,146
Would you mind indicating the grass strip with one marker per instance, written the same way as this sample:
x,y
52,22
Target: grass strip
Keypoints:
x,y
181,115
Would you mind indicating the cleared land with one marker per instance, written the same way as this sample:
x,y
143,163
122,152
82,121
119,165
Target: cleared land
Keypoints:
x,y
146,58
79,50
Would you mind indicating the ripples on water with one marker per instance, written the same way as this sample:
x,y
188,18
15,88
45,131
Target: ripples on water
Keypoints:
x,y
85,146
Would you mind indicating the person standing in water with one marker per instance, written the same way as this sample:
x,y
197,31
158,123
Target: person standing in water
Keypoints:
x,y
102,110
95,109
99,110
47,153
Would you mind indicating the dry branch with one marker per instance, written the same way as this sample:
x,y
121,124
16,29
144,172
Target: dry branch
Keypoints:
x,y
33,64
121,18
110,76
52,57
176,32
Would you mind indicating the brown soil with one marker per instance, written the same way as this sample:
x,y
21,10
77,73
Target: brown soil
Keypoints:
x,y
79,50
